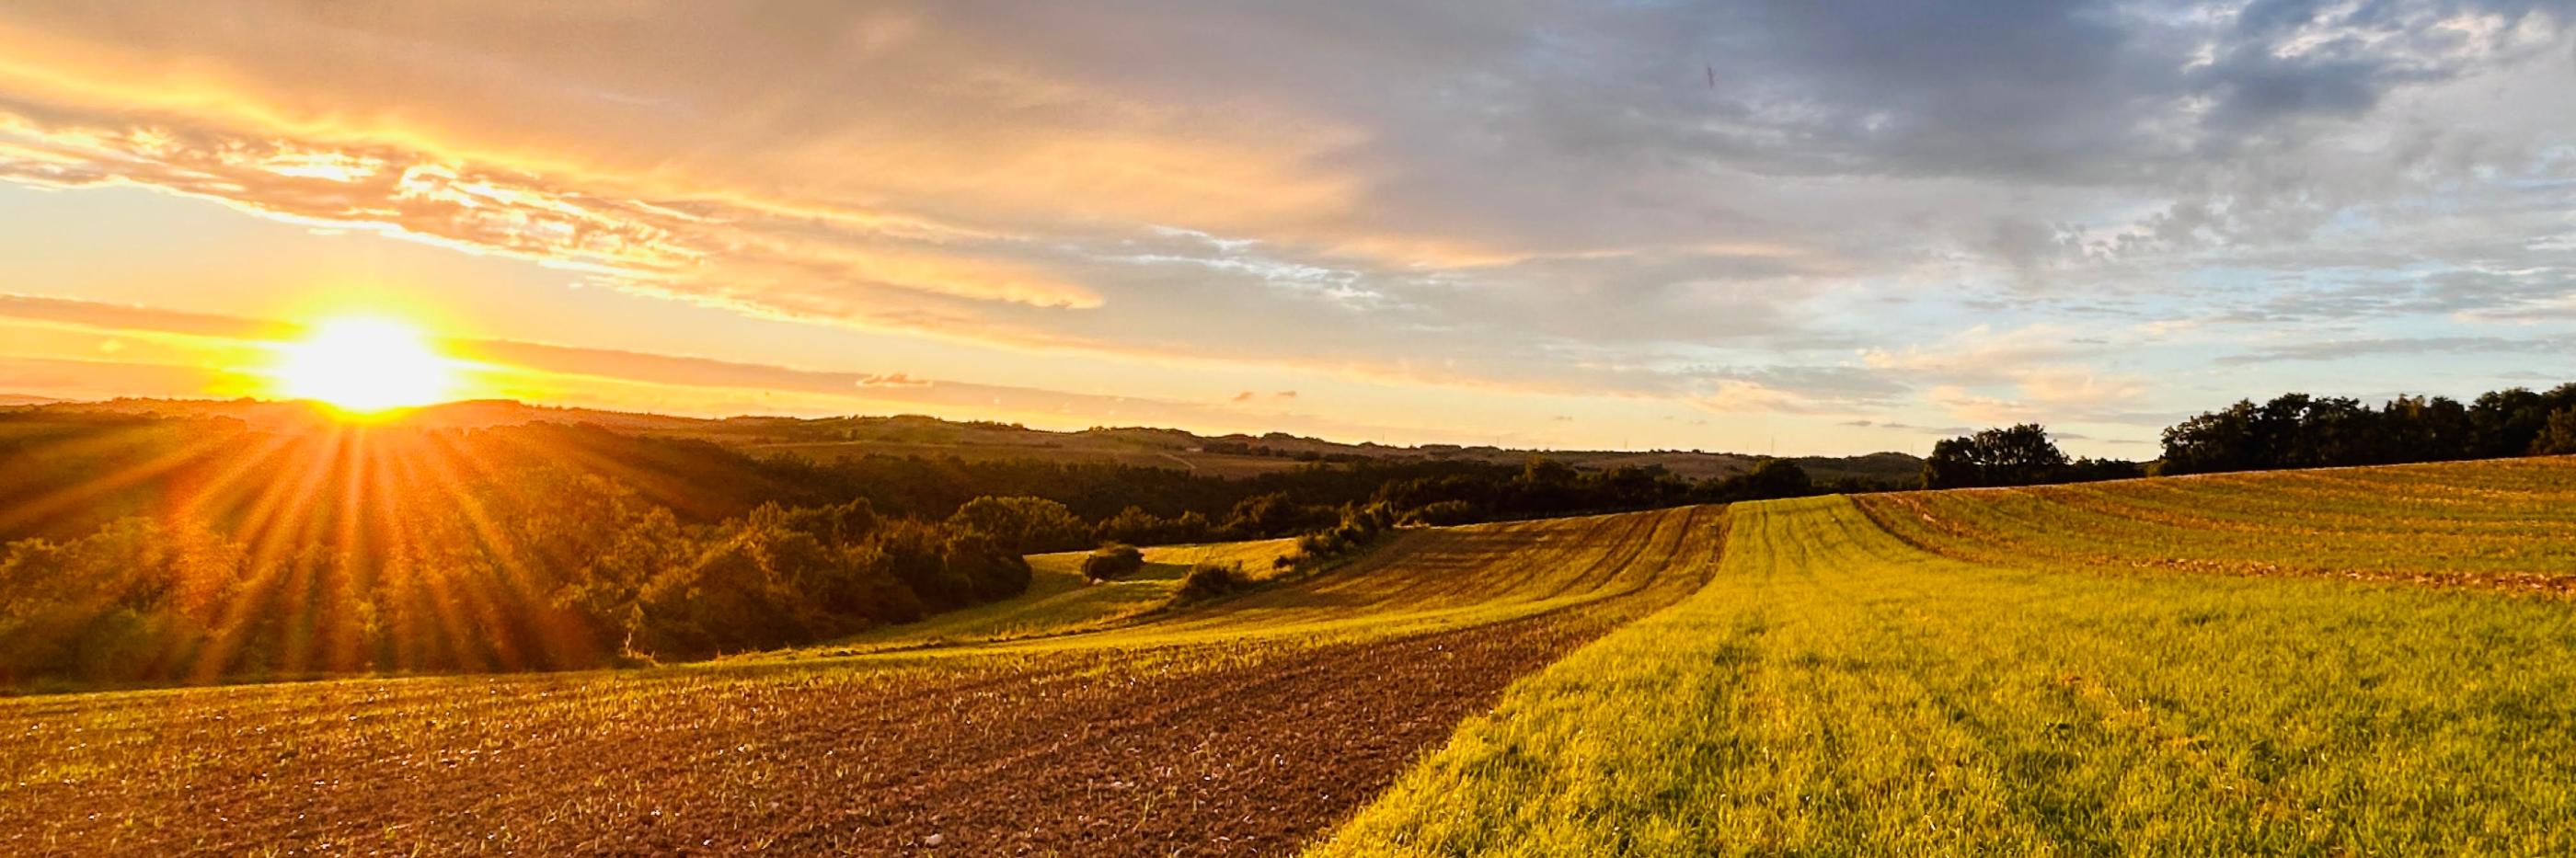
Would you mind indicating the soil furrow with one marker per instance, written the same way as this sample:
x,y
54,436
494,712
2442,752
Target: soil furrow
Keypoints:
x,y
1227,748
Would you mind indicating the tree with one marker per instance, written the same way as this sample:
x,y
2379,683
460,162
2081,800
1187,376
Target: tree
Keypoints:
x,y
1541,470
2014,456
2559,437
1274,514
991,572
2436,427
2228,439
839,524
2296,430
1445,513
2507,421
1135,526
1776,478
1023,525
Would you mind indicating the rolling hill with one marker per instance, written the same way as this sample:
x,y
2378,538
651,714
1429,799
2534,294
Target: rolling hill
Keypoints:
x,y
1241,725
2341,661
832,438
2333,662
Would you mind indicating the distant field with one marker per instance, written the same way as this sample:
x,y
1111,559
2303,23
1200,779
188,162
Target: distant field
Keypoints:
x,y
1241,726
2366,661
1084,448
928,437
1061,601
2508,523
2060,674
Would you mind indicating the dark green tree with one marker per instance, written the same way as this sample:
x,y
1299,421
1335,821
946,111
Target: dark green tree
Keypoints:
x,y
2011,456
2558,438
1023,525
1776,478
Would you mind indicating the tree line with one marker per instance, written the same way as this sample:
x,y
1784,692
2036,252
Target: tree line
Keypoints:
x,y
196,549
153,550
2301,431
536,569
2294,430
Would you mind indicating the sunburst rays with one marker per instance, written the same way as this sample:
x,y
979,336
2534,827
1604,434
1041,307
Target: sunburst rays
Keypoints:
x,y
351,546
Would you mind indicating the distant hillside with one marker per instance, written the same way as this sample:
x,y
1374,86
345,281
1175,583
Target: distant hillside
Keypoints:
x,y
833,438
1221,455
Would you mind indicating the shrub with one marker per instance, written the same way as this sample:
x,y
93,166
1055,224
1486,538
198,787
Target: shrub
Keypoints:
x,y
1112,562
917,554
993,573
1210,580
1446,513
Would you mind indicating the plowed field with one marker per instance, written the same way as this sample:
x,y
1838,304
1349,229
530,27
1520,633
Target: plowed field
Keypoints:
x,y
1244,726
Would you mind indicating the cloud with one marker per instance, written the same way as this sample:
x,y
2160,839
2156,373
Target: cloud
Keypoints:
x,y
1521,198
104,379
895,379
107,316
2413,346
1968,405
1979,353
514,358
1734,396
2078,390
1948,431
1256,396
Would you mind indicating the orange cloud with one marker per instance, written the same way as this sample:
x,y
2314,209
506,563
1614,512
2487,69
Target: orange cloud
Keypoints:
x,y
905,179
537,370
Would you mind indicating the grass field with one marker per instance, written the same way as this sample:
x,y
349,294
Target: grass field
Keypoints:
x,y
1239,726
2508,523
2044,681
1061,601
2350,662
1423,580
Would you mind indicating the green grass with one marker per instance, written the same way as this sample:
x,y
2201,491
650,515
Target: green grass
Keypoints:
x,y
1444,578
1837,689
1420,580
2507,520
1060,601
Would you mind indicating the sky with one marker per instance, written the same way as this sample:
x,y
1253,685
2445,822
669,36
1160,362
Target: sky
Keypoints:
x,y
1767,227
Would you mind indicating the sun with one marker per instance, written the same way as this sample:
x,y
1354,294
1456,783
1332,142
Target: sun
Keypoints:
x,y
364,366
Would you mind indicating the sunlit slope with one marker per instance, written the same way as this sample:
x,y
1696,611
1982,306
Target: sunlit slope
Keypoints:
x,y
2510,522
1257,721
1834,689
1060,600
1420,580
1441,578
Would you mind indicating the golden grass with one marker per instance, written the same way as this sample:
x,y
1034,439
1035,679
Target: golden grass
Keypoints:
x,y
2045,684
1061,601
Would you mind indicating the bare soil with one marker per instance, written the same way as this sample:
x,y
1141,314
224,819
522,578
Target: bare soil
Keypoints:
x,y
1209,751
